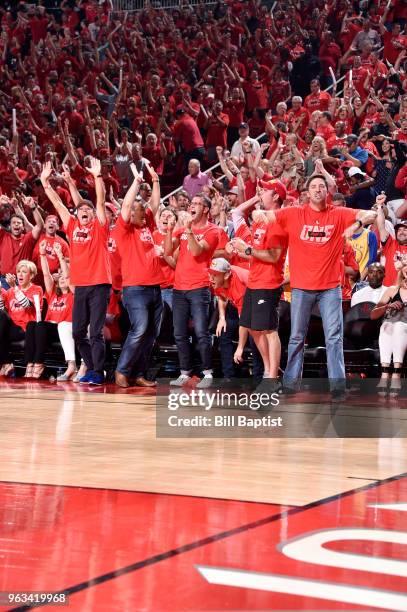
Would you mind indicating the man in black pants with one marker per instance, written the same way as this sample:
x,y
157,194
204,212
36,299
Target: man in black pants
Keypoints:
x,y
90,274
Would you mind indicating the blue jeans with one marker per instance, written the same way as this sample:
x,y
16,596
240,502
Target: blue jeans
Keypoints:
x,y
144,306
330,306
193,303
166,295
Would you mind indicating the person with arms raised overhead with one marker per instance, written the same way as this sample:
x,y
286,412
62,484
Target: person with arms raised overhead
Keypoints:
x,y
88,235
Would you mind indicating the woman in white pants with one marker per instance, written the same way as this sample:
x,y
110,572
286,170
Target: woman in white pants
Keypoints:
x,y
59,315
393,332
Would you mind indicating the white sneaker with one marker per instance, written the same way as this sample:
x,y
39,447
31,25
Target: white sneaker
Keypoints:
x,y
181,380
205,382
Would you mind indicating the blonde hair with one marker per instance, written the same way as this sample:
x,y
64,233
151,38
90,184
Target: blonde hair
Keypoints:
x,y
30,265
322,142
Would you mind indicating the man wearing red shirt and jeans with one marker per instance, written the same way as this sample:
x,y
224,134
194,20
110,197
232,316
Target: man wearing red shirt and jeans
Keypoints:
x,y
197,242
316,235
142,276
88,235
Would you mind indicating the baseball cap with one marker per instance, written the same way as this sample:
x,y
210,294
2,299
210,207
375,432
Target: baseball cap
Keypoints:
x,y
85,203
244,126
400,224
276,186
354,170
351,138
220,265
234,190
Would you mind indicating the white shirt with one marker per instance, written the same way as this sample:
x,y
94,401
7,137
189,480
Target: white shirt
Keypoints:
x,y
368,294
237,149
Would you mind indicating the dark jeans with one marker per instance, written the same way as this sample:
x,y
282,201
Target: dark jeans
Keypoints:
x,y
144,306
37,337
9,332
89,309
227,348
194,303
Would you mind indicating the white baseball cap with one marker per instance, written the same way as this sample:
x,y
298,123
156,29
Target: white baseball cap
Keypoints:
x,y
353,170
220,265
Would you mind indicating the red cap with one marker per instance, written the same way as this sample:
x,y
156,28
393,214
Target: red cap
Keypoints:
x,y
276,186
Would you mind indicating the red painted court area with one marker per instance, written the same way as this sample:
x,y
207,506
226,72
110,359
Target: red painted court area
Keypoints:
x,y
116,550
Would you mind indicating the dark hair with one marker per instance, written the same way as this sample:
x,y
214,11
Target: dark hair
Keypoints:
x,y
316,176
205,200
17,216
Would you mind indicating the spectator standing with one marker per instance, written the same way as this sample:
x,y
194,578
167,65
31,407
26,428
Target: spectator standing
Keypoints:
x,y
88,235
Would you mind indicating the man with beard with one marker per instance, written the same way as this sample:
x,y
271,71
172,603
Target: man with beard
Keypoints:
x,y
374,289
90,273
16,245
316,235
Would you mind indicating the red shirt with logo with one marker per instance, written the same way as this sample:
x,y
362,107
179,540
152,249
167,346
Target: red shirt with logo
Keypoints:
x,y
393,251
19,315
88,253
140,264
191,271
317,101
12,250
315,240
53,261
59,307
237,287
168,272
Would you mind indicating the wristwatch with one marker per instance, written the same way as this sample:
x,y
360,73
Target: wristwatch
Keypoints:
x,y
248,251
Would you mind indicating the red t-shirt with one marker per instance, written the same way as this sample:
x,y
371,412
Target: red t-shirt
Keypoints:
x,y
88,253
59,307
115,261
393,251
192,272
12,250
186,131
53,261
19,315
217,133
317,101
267,275
168,272
315,240
235,110
236,290
140,264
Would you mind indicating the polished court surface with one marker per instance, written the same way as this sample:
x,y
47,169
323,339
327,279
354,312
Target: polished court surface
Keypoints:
x,y
94,505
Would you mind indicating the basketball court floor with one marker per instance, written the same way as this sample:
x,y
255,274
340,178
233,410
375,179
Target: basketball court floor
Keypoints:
x,y
94,505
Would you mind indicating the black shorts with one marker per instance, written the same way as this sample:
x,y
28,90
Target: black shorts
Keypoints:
x,y
259,310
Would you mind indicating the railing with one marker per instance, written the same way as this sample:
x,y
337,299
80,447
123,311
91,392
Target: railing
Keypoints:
x,y
138,5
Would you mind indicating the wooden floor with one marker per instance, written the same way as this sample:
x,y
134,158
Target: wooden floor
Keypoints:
x,y
108,440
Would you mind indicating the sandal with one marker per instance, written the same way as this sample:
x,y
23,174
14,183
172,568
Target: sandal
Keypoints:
x,y
29,370
38,370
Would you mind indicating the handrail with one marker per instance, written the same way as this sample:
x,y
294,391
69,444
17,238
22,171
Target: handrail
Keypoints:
x,y
258,138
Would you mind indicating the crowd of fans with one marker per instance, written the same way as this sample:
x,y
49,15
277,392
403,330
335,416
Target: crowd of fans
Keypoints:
x,y
104,112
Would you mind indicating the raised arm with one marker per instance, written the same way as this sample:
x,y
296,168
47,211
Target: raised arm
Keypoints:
x,y
154,202
131,194
52,195
48,280
95,170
